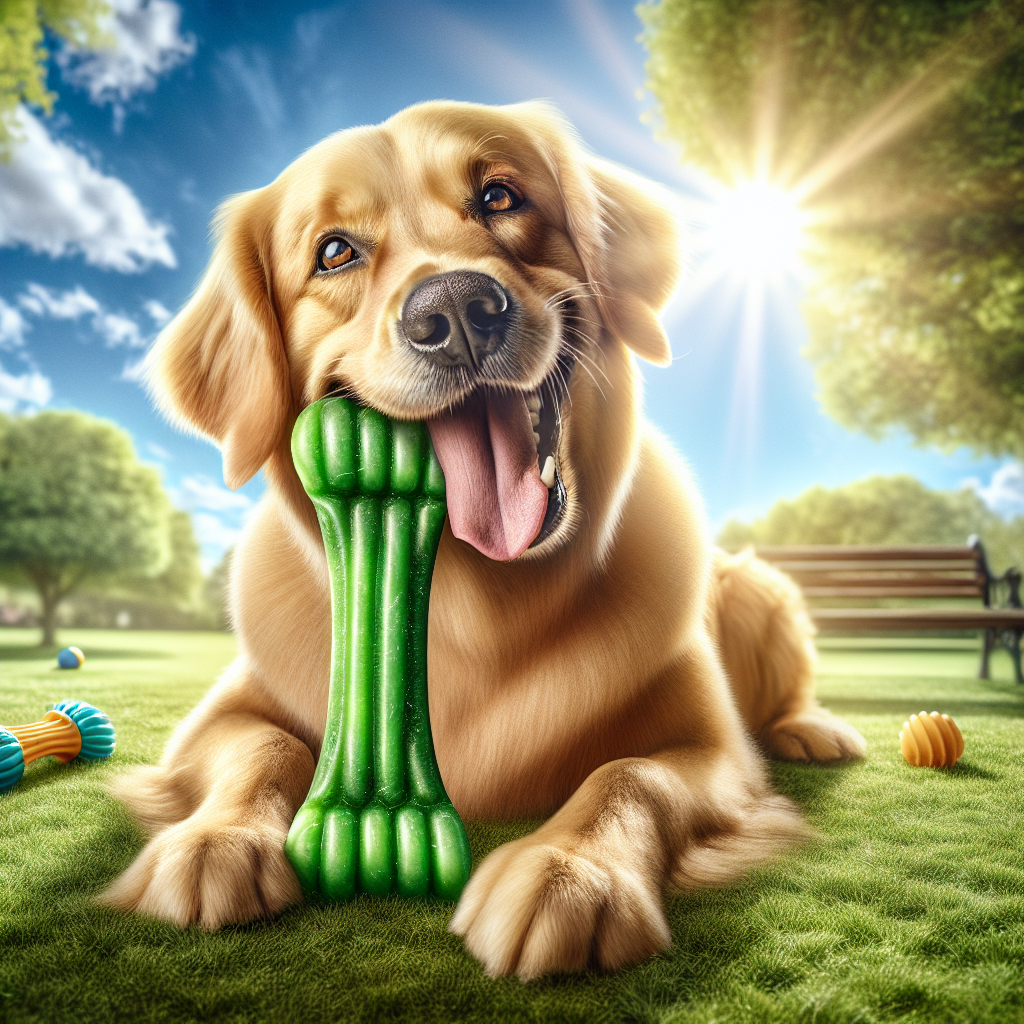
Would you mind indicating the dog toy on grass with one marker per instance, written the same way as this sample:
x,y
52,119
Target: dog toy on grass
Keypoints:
x,y
377,818
70,657
931,741
71,729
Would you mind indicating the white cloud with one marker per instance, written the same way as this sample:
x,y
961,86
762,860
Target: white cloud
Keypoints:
x,y
213,533
252,73
157,311
115,328
134,372
201,493
147,44
119,330
159,451
218,515
69,305
17,393
1005,491
54,201
12,327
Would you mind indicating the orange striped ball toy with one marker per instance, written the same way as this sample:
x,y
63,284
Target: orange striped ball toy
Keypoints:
x,y
931,741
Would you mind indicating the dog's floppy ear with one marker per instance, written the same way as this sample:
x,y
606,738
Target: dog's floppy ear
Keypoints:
x,y
638,261
219,366
626,233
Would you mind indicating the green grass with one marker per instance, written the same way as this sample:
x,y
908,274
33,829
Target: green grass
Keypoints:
x,y
910,906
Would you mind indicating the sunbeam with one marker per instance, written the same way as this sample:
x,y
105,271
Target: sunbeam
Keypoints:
x,y
757,235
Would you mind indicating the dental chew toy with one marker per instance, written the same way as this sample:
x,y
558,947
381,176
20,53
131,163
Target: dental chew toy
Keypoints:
x,y
377,818
931,741
71,729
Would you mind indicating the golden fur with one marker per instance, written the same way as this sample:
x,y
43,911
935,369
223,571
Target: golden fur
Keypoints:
x,y
581,680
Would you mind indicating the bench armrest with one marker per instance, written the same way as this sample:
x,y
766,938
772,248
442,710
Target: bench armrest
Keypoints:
x,y
999,591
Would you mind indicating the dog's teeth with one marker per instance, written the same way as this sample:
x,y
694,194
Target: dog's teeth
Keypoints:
x,y
533,404
536,438
547,476
534,419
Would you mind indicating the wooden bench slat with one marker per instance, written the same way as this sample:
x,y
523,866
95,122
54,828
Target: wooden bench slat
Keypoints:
x,y
849,590
827,552
917,618
879,565
878,579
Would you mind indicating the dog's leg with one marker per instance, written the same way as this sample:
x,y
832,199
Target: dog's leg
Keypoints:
x,y
585,889
811,734
767,642
235,779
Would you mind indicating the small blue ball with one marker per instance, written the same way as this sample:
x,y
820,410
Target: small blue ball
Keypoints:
x,y
70,657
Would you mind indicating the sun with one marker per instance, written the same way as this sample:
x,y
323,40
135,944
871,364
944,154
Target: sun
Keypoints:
x,y
755,231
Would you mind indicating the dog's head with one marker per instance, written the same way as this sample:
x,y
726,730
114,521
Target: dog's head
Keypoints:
x,y
469,266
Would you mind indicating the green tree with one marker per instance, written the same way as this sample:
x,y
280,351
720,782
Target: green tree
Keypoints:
x,y
883,510
180,585
900,125
23,53
215,591
77,505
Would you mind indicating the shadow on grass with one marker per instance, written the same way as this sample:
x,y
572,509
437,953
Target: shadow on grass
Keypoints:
x,y
905,706
966,770
485,836
47,770
810,784
38,774
31,652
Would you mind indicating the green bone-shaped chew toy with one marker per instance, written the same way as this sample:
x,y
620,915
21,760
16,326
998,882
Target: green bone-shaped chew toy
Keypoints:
x,y
377,818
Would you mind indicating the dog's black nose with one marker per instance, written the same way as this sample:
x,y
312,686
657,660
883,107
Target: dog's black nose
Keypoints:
x,y
457,318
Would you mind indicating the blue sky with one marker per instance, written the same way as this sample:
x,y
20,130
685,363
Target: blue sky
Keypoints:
x,y
104,214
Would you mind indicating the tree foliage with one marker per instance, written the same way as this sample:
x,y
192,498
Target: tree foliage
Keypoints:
x,y
215,591
23,53
76,506
903,125
883,510
181,583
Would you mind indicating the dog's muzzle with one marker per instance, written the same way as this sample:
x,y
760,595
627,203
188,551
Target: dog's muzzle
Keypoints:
x,y
458,318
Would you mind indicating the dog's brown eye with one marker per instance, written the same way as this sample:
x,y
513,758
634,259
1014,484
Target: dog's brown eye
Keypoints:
x,y
334,253
501,199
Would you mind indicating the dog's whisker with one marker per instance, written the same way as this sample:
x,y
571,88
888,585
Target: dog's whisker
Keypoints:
x,y
580,290
583,360
586,370
560,297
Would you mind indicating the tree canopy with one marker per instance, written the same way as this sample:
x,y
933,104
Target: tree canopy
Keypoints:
x,y
76,505
883,510
23,53
181,582
900,126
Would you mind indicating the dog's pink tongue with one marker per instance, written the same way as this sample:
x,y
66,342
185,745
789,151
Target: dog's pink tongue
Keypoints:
x,y
496,500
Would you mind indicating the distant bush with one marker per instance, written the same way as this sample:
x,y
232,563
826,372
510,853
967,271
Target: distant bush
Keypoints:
x,y
883,510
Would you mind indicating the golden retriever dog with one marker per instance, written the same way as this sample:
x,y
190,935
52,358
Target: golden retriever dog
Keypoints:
x,y
475,268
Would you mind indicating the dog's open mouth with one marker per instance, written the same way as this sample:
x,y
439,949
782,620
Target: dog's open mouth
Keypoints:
x,y
499,453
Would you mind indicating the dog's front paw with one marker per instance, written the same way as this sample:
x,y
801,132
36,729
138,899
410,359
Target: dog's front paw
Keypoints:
x,y
533,908
812,735
208,874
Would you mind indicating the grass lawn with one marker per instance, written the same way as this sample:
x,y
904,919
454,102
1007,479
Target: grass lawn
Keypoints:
x,y
910,907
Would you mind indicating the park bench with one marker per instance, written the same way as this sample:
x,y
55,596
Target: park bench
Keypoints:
x,y
834,577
